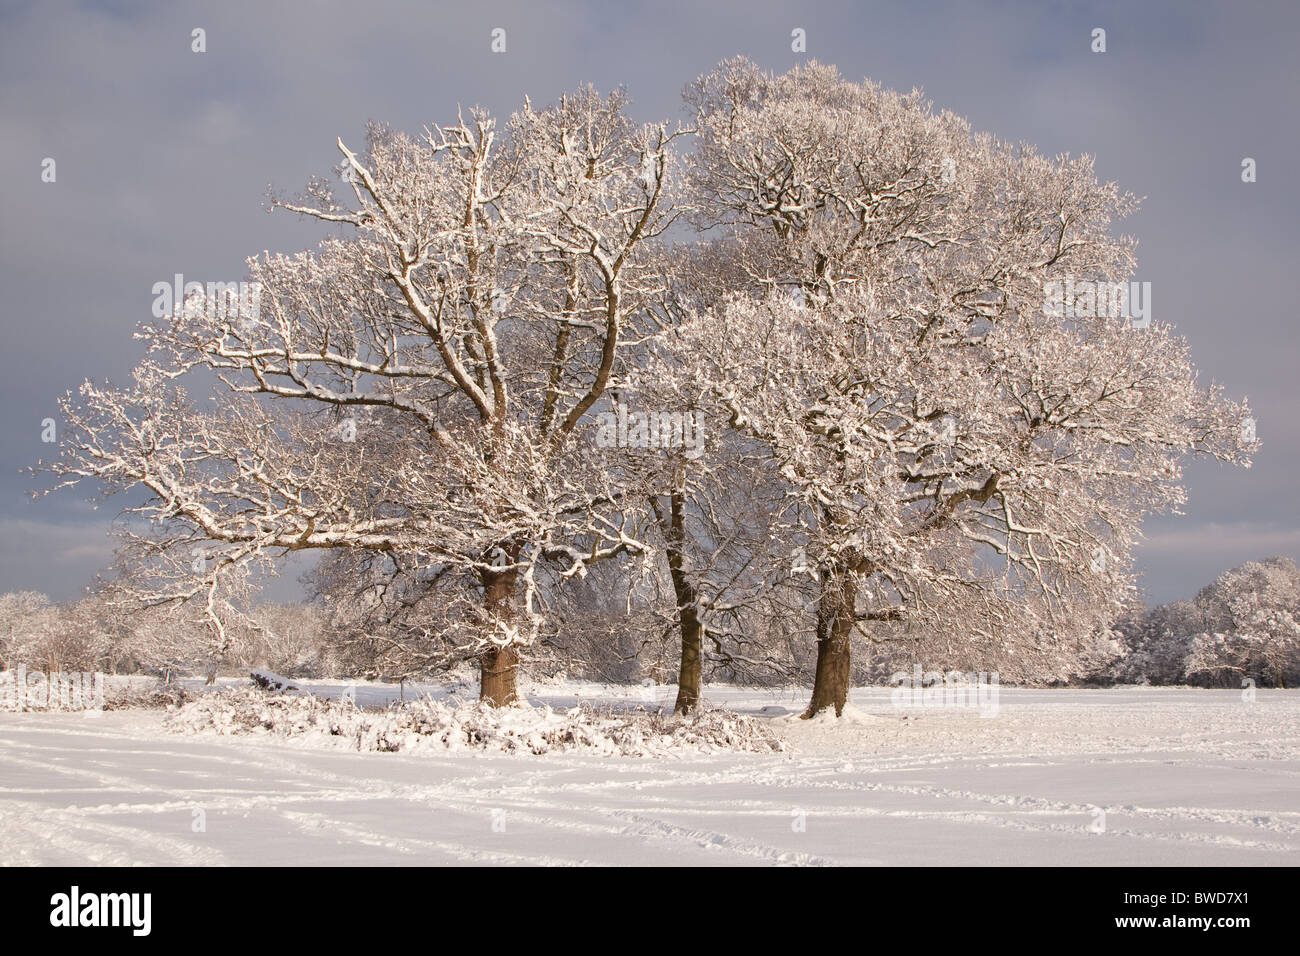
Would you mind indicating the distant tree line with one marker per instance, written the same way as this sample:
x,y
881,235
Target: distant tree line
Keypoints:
x,y
1244,626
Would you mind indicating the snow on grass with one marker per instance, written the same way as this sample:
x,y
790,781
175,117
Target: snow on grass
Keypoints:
x,y
1127,776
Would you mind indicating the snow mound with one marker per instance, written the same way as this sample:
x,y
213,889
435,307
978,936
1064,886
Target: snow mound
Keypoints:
x,y
430,724
826,717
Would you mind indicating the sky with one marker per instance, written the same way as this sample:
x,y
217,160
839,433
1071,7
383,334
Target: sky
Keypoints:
x,y
163,157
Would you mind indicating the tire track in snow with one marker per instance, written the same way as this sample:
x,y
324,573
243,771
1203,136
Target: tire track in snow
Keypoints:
x,y
86,840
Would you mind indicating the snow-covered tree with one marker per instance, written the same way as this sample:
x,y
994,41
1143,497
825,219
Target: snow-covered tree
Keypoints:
x,y
1245,625
935,408
289,639
1156,642
414,388
27,622
79,635
967,448
719,528
1252,626
717,507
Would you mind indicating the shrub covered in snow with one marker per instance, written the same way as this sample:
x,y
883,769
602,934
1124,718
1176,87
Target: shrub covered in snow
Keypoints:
x,y
428,723
121,694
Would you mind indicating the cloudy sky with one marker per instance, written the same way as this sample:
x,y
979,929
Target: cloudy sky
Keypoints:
x,y
163,158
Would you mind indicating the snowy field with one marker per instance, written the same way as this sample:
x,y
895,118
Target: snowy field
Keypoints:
x,y
1089,777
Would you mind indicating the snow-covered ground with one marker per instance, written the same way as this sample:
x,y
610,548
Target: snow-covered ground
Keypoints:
x,y
1127,776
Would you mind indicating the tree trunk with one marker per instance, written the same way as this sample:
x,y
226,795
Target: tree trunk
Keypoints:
x,y
498,669
499,666
689,673
836,609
